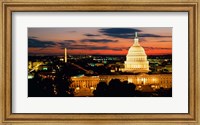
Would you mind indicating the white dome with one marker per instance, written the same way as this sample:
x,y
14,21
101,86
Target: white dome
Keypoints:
x,y
136,59
136,51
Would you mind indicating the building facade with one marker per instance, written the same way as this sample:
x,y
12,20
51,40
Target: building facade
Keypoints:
x,y
89,83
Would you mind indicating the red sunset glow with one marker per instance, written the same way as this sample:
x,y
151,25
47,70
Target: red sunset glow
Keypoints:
x,y
98,41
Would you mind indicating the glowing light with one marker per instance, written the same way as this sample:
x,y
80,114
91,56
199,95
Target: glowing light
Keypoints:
x,y
30,76
45,68
65,55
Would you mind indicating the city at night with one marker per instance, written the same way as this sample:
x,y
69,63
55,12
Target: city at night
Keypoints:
x,y
100,62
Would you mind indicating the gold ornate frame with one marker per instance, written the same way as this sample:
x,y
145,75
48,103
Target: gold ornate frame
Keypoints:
x,y
9,6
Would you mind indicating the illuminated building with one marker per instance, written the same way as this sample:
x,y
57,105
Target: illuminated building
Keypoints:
x,y
34,65
84,85
89,83
85,81
158,80
136,59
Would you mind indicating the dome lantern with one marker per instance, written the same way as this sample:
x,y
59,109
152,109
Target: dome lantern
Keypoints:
x,y
136,40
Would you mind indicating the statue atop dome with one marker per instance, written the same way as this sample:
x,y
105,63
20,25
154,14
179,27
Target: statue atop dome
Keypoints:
x,y
136,35
136,40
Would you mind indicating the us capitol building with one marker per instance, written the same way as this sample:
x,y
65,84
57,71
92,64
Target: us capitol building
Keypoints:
x,y
136,59
136,63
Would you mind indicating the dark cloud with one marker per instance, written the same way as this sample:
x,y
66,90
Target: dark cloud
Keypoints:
x,y
164,41
88,47
98,48
77,46
104,48
35,43
99,40
33,37
71,41
127,33
151,35
153,48
66,43
91,47
91,35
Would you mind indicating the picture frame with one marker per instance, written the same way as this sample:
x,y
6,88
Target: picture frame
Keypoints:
x,y
7,7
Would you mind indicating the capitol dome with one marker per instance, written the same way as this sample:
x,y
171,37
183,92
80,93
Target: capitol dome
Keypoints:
x,y
136,58
136,50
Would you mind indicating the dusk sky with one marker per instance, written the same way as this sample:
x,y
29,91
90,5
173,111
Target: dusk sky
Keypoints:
x,y
98,41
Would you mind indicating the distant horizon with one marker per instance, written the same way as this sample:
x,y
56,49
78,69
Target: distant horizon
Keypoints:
x,y
90,55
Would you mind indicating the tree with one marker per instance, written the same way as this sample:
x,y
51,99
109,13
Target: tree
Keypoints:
x,y
115,88
101,90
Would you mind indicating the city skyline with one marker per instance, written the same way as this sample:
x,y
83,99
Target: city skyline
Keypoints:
x,y
98,41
